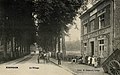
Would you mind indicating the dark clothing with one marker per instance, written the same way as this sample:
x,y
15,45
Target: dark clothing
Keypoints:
x,y
86,60
59,57
59,62
99,61
91,61
38,58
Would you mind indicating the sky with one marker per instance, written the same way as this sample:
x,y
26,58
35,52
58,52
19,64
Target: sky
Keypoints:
x,y
74,33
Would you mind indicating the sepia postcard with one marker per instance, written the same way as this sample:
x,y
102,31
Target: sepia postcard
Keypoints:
x,y
59,37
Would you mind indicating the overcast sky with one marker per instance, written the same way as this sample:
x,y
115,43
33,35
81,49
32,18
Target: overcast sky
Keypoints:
x,y
74,33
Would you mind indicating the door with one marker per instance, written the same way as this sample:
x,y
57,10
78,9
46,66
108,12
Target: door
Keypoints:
x,y
92,48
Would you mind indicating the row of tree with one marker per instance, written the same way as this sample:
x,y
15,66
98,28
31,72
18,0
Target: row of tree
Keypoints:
x,y
17,29
53,16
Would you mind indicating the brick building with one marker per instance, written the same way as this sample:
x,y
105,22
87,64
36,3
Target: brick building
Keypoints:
x,y
100,29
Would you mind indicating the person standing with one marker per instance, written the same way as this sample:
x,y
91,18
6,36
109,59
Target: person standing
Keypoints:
x,y
96,62
89,60
39,56
59,57
93,60
38,59
45,57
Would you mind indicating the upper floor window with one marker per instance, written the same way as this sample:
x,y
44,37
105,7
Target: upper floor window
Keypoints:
x,y
85,48
101,21
85,44
85,28
92,24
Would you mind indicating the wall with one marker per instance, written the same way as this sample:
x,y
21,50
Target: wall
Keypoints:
x,y
116,24
98,34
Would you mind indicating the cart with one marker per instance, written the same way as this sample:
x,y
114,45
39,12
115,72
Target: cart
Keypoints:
x,y
112,64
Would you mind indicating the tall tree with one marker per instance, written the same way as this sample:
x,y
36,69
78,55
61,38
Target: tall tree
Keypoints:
x,y
53,17
18,26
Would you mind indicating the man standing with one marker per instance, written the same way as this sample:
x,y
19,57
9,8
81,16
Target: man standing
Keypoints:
x,y
59,57
39,56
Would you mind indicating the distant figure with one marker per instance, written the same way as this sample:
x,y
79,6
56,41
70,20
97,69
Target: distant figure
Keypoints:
x,y
49,54
89,60
93,61
39,56
59,57
86,60
45,57
83,59
96,63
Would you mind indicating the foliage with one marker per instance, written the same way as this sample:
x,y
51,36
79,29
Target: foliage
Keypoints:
x,y
53,17
17,29
18,19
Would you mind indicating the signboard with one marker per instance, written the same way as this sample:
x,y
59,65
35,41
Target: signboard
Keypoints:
x,y
97,33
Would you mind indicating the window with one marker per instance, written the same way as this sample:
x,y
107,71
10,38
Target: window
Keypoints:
x,y
101,21
101,41
92,24
101,15
85,44
101,47
85,28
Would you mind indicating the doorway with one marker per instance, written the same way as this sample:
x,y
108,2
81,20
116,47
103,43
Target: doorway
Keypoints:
x,y
92,48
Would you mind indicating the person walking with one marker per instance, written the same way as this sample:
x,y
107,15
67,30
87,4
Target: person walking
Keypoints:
x,y
59,57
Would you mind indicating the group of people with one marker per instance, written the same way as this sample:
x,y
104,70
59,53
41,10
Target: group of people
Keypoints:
x,y
44,56
88,60
92,61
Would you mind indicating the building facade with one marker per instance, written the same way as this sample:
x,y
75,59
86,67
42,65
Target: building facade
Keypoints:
x,y
100,29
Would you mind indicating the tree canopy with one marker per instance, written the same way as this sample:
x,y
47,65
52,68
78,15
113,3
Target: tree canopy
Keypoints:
x,y
53,17
17,29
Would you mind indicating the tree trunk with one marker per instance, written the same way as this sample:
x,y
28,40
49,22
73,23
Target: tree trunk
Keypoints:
x,y
12,53
63,46
5,47
22,50
15,48
59,44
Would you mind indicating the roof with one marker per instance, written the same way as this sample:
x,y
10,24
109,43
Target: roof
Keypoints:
x,y
92,8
